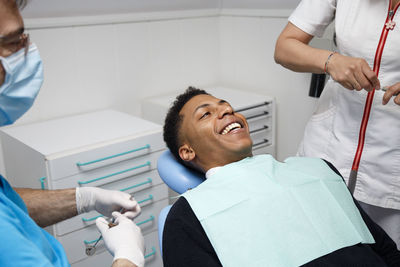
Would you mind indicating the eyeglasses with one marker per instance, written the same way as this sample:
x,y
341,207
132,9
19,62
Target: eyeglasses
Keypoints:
x,y
13,43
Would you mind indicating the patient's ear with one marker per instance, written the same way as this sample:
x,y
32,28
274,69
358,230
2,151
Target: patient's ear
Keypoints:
x,y
186,153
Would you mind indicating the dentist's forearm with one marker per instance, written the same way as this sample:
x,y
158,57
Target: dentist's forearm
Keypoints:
x,y
47,207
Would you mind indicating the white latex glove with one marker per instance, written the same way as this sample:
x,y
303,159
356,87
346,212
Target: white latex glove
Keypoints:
x,y
105,201
123,241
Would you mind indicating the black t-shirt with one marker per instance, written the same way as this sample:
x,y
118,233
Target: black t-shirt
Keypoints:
x,y
185,244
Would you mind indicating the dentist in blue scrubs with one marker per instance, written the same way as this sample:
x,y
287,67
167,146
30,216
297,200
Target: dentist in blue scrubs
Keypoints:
x,y
23,211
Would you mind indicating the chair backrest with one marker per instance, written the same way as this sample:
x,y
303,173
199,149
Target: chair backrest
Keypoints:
x,y
179,178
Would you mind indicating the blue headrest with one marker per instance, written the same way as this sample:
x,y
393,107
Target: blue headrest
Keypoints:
x,y
178,177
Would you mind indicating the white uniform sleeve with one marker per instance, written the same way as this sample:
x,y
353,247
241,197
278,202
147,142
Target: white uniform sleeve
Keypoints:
x,y
313,16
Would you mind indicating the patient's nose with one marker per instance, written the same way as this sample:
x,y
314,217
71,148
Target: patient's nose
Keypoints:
x,y
225,110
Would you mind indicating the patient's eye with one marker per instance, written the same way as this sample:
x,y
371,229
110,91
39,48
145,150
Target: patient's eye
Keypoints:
x,y
204,115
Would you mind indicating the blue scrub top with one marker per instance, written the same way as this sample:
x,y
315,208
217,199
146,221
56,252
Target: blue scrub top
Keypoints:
x,y
22,241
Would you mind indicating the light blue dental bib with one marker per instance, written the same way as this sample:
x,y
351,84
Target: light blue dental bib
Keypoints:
x,y
261,212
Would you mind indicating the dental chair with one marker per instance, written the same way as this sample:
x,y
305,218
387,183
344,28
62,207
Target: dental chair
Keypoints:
x,y
177,177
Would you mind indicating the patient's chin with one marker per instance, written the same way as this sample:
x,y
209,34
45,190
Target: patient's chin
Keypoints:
x,y
245,147
246,151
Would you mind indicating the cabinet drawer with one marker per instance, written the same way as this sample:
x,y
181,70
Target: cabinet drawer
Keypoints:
x,y
153,256
75,243
146,198
261,141
81,162
261,136
263,126
103,258
112,173
256,110
260,123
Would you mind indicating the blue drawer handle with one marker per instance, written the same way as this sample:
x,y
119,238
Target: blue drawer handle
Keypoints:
x,y
139,223
147,199
91,219
146,221
151,253
42,182
116,173
133,186
149,181
92,241
79,164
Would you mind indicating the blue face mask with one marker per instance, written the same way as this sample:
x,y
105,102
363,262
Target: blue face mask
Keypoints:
x,y
24,77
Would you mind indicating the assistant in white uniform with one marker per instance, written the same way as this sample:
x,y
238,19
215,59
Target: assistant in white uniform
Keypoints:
x,y
368,43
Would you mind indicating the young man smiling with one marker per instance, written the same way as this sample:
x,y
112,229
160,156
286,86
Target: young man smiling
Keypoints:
x,y
255,211
208,143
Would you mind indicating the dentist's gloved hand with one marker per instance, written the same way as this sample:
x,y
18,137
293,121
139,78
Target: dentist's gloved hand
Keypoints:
x,y
123,241
105,201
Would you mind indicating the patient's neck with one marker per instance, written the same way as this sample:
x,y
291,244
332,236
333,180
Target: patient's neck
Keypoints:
x,y
208,163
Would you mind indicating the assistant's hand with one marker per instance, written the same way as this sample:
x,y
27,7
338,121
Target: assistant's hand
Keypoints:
x,y
352,73
391,91
105,201
123,241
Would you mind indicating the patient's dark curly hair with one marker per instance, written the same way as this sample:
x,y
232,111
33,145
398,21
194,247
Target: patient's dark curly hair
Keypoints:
x,y
173,120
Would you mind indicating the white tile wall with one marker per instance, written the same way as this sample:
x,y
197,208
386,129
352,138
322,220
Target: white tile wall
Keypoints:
x,y
133,68
116,65
247,61
200,51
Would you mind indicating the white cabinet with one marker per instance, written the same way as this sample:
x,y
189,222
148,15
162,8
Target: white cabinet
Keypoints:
x,y
258,109
107,149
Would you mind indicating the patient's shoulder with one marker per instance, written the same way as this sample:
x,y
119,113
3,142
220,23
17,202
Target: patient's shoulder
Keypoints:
x,y
185,242
182,223
181,217
332,167
181,210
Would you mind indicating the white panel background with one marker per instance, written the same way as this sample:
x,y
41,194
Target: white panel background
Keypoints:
x,y
63,8
247,48
115,65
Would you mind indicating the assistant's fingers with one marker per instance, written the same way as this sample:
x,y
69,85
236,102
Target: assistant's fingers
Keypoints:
x,y
363,81
356,85
347,85
396,90
389,93
371,76
397,100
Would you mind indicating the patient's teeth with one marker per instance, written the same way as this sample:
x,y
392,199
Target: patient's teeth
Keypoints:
x,y
230,127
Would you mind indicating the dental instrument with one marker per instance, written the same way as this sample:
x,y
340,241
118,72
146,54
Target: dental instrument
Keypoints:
x,y
91,249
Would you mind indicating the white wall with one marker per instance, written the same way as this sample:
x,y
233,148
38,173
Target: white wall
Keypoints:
x,y
73,8
115,65
247,49
247,44
94,67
